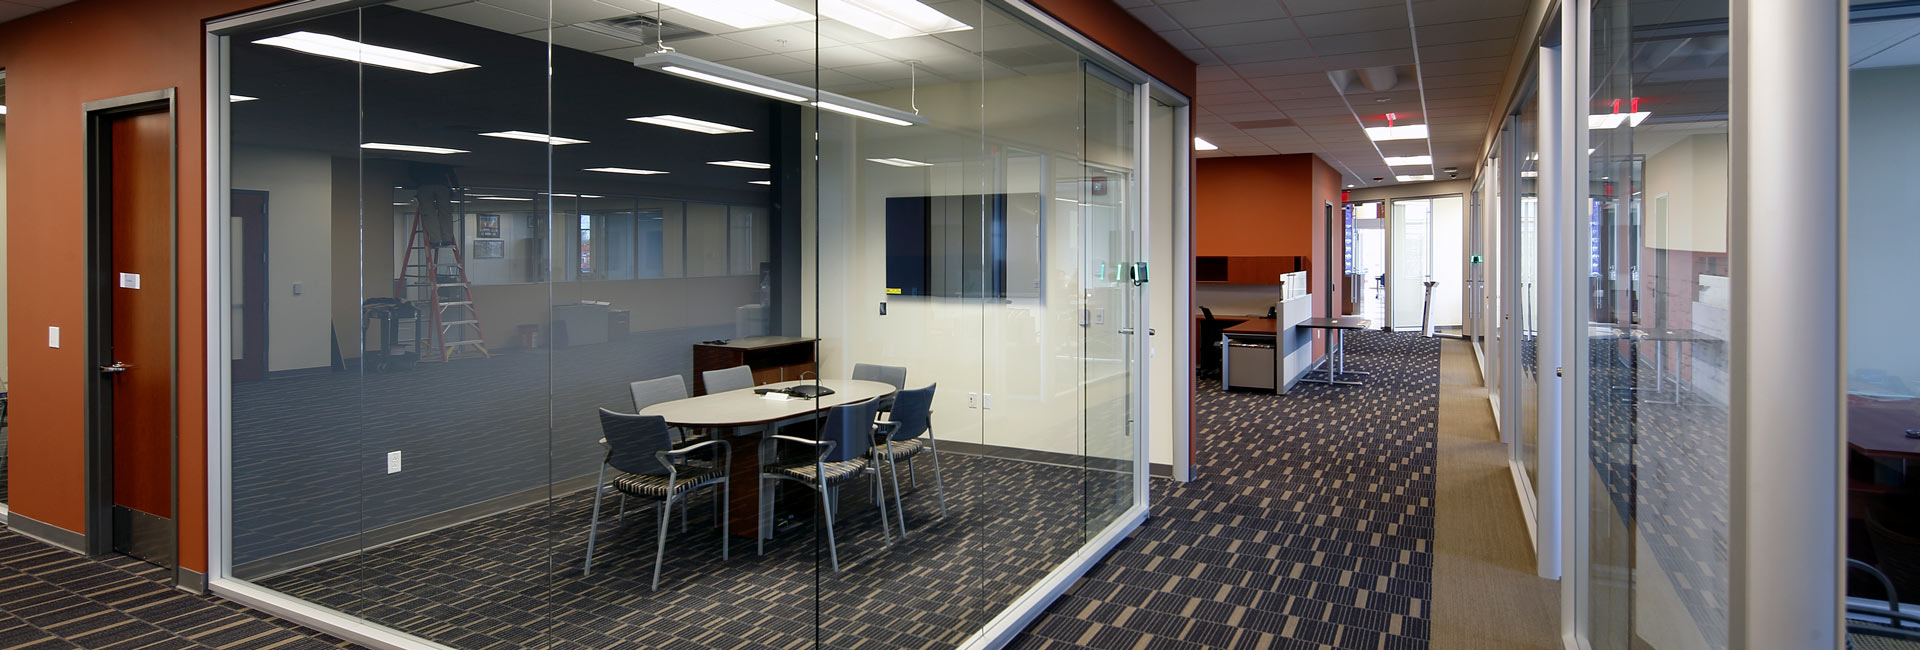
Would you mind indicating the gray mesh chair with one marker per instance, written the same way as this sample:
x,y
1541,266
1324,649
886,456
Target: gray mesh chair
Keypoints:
x,y
907,431
843,451
641,450
726,379
895,376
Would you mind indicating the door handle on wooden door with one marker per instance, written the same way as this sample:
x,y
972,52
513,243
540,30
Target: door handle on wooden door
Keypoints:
x,y
115,368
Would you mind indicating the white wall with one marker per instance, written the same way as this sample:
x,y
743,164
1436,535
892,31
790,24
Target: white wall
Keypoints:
x,y
1882,229
1685,200
299,187
1164,403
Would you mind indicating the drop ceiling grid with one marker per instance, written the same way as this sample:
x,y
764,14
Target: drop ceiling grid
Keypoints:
x,y
1277,53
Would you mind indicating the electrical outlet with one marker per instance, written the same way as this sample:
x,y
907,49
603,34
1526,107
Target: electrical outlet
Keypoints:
x,y
883,308
393,462
53,337
297,288
1099,316
973,400
986,400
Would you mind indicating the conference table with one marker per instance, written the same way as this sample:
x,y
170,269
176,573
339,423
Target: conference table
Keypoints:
x,y
747,417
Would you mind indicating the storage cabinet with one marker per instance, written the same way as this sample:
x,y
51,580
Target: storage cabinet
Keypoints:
x,y
1246,269
772,358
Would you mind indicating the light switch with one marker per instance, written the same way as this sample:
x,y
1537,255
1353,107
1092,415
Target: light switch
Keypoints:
x,y
296,288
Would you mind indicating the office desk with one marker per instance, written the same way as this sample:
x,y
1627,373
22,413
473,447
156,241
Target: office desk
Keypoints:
x,y
1256,326
1335,365
1247,355
749,416
1878,428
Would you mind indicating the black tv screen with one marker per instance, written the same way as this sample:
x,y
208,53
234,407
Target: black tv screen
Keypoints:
x,y
956,246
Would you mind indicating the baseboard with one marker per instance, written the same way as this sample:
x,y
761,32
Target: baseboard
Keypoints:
x,y
1011,622
268,567
1160,470
3,514
1528,504
191,581
49,533
1044,457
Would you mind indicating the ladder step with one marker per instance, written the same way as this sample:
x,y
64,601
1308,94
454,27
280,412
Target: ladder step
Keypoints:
x,y
451,323
451,284
468,342
455,303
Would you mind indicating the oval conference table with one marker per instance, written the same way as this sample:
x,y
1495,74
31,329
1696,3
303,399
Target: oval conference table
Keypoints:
x,y
748,416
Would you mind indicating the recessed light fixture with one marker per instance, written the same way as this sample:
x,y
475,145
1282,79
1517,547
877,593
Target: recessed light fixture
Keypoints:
x,y
1401,161
849,110
624,170
574,196
899,162
690,124
235,99
413,148
340,48
1200,144
1408,178
741,14
399,203
1402,132
533,137
761,182
499,198
891,18
743,164
1349,185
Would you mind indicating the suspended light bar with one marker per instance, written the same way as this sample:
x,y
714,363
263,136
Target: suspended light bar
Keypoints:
x,y
1402,161
1200,144
696,68
340,48
741,14
891,18
412,148
743,164
533,137
899,162
761,182
690,124
235,99
1408,178
624,170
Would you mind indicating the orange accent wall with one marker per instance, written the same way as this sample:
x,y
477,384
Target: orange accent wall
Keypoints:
x,y
1254,205
1113,28
1326,190
55,61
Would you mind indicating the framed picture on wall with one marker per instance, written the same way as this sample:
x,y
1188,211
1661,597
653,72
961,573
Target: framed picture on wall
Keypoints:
x,y
489,227
489,249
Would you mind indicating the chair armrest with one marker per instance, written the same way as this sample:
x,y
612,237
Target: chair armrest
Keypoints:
x,y
823,446
724,453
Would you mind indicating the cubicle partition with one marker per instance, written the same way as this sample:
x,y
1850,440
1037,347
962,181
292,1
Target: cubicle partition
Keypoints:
x,y
503,242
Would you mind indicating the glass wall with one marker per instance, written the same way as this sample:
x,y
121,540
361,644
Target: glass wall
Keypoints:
x,y
481,256
1882,364
1526,310
1657,314
1425,239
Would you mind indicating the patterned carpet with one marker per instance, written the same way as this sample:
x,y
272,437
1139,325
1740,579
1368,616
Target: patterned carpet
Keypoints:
x,y
1311,525
57,600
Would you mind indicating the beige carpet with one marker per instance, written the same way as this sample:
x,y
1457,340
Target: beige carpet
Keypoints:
x,y
1485,593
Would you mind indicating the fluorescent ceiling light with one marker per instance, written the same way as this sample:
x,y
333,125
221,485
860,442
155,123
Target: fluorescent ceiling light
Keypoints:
x,y
340,48
690,124
409,147
761,182
899,162
1202,145
743,164
499,198
1402,161
736,85
533,137
1528,173
1614,120
235,99
1407,178
574,196
1402,132
848,110
399,203
624,170
741,14
891,18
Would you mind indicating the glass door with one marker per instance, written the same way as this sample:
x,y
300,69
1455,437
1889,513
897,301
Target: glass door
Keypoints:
x,y
1109,227
1410,231
1526,312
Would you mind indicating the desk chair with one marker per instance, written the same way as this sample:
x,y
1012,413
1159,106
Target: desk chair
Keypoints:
x,y
843,451
895,376
1210,335
899,439
649,392
641,449
726,379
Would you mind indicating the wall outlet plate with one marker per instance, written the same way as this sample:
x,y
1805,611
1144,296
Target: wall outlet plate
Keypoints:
x,y
393,462
973,400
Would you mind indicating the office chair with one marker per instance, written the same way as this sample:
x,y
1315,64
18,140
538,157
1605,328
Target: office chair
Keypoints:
x,y
641,449
649,392
899,438
895,376
1210,334
844,451
726,379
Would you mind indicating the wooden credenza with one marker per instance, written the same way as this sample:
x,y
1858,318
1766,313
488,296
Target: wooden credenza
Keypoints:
x,y
772,358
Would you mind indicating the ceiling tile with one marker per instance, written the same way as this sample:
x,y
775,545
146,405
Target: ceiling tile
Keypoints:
x,y
1400,56
1258,31
1154,18
711,48
1472,30
1282,67
1202,13
1467,50
1258,52
1181,39
1351,22
491,17
1385,39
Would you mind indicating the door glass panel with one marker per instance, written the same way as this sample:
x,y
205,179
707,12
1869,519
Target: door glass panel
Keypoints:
x,y
1109,225
1526,312
1411,230
1658,311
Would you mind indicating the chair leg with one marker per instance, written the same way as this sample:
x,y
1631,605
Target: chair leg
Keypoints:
x,y
593,529
913,478
760,537
726,539
683,512
623,507
826,503
885,526
938,486
660,549
893,470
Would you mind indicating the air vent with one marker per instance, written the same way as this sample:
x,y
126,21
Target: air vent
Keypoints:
x,y
640,28
1263,124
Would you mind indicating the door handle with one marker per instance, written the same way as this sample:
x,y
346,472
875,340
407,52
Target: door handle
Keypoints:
x,y
115,368
1127,331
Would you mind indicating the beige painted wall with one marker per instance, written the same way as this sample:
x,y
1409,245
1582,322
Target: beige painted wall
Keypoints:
x,y
1685,201
1883,149
299,218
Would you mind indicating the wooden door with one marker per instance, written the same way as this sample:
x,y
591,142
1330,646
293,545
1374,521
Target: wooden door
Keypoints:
x,y
136,346
249,284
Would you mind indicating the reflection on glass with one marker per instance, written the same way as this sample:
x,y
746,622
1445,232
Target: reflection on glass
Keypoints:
x,y
1526,313
1658,317
465,340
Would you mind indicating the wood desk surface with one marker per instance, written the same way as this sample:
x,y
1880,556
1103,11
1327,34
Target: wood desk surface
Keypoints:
x,y
1879,427
1340,323
741,408
1254,326
757,342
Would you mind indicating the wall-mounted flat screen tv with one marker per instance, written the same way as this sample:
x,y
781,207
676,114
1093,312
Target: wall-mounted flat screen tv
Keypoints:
x,y
957,246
